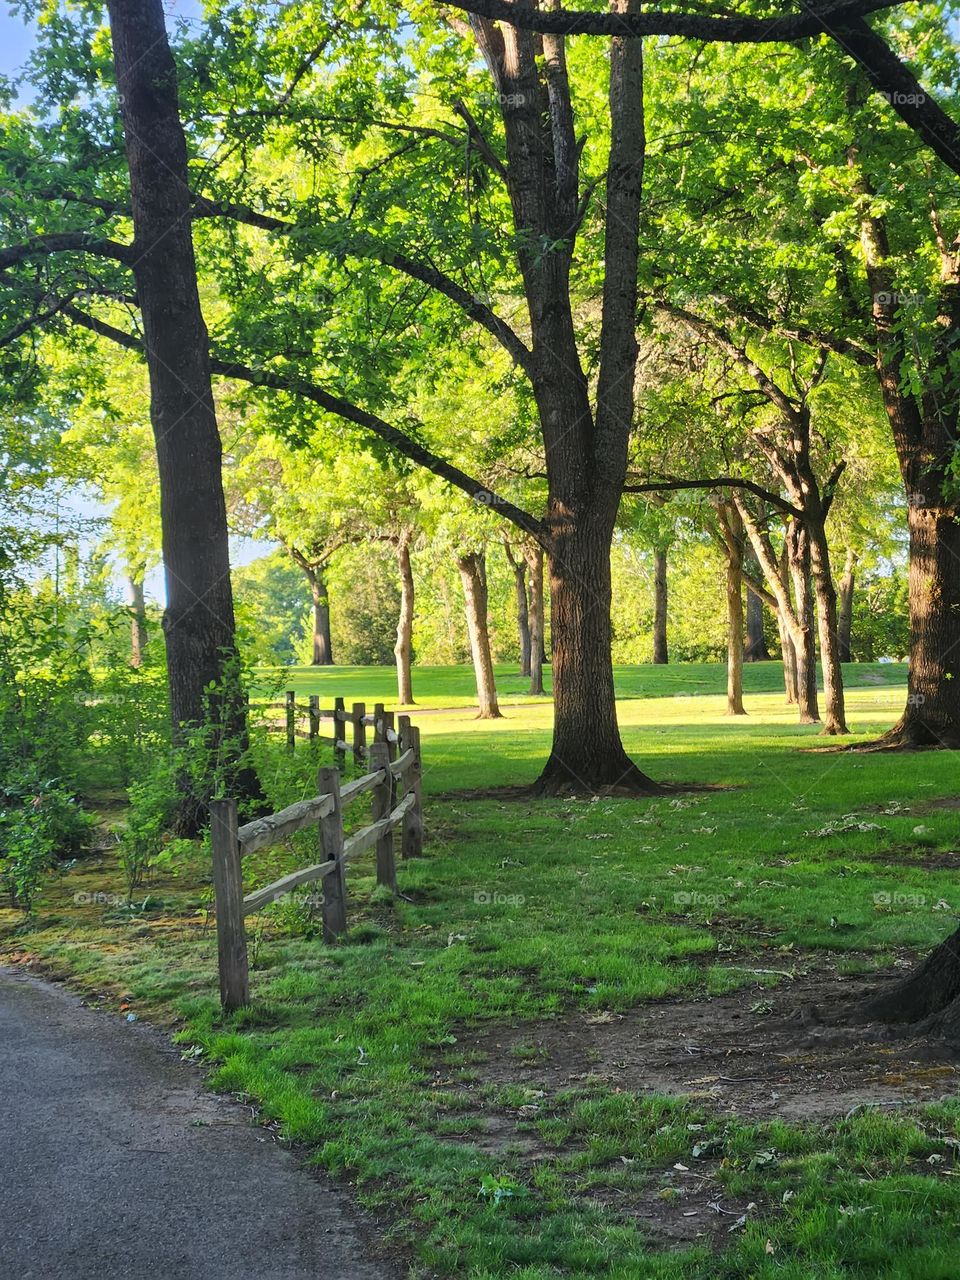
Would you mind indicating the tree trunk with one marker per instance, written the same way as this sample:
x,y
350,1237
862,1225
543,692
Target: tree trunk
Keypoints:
x,y
660,656
735,705
534,559
198,622
473,575
403,649
138,619
756,646
835,721
587,752
845,614
804,636
322,642
519,568
932,714
789,662
928,998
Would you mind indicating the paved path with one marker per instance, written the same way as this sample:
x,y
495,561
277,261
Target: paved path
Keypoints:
x,y
114,1163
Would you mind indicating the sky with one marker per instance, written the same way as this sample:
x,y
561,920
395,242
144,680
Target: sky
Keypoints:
x,y
16,43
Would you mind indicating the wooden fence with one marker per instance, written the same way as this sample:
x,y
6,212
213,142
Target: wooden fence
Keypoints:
x,y
394,784
344,724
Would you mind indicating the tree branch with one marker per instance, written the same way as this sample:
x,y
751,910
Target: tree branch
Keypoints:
x,y
817,19
66,242
296,385
717,482
471,306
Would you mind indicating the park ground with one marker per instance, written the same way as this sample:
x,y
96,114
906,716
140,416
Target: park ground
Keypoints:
x,y
590,1037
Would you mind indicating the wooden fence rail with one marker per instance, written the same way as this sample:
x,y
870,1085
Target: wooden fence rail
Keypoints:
x,y
353,724
394,782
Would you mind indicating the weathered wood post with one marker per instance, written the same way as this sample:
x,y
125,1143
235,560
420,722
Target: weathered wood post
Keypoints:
x,y
331,850
383,803
314,717
359,732
228,891
378,722
291,719
339,733
412,840
390,734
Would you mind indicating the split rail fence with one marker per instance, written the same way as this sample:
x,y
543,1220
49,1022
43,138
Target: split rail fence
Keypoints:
x,y
344,724
393,781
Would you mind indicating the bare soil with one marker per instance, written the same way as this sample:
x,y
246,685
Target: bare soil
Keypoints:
x,y
757,1054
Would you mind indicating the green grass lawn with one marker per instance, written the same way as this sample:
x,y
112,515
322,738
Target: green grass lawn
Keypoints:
x,y
455,687
527,912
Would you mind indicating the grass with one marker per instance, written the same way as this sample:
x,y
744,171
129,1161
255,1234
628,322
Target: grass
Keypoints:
x,y
525,910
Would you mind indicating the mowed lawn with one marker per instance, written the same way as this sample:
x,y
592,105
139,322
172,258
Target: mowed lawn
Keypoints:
x,y
525,911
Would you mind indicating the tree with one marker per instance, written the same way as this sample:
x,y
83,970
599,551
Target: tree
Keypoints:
x,y
198,621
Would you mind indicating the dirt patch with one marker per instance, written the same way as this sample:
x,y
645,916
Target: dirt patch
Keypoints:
x,y
755,1053
944,802
925,859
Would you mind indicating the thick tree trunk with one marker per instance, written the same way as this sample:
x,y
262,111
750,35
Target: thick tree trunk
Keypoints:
x,y
473,575
198,623
735,705
534,559
932,715
835,721
755,649
138,619
403,649
845,608
927,999
587,755
660,654
322,641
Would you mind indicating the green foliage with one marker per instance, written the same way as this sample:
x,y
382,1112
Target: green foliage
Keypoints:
x,y
144,842
40,823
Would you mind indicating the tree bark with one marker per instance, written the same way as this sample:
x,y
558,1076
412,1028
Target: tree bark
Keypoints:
x,y
403,649
138,619
519,567
534,558
660,654
804,630
924,429
756,645
835,721
322,641
585,439
198,623
473,575
845,611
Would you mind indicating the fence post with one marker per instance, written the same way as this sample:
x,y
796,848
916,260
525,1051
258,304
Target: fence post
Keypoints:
x,y
412,842
378,722
228,891
388,729
359,732
383,801
291,719
314,717
339,733
331,850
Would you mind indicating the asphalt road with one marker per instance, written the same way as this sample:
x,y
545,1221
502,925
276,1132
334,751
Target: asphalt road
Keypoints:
x,y
114,1162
